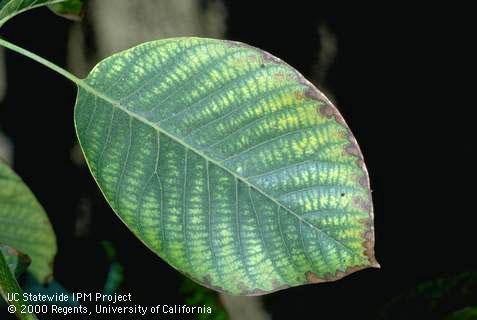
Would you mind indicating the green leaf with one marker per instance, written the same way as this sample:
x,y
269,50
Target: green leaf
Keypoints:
x,y
10,8
9,285
228,164
16,261
24,224
71,9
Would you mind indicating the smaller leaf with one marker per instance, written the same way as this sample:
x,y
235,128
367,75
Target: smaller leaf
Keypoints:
x,y
24,224
16,261
9,286
10,8
71,9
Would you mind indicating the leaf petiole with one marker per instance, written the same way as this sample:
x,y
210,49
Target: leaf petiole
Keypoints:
x,y
43,61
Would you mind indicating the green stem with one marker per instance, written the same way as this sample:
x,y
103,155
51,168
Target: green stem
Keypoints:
x,y
79,82
41,60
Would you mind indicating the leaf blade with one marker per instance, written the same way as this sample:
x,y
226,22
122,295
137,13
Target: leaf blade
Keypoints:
x,y
25,225
208,92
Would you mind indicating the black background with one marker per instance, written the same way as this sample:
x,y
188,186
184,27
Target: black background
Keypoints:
x,y
391,81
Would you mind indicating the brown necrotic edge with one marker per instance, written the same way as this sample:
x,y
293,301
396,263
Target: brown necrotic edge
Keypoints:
x,y
353,149
327,109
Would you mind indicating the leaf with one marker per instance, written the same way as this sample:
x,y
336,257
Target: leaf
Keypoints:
x,y
24,224
10,8
9,285
16,261
71,9
228,164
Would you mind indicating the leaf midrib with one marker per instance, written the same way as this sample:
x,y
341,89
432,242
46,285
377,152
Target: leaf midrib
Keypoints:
x,y
115,103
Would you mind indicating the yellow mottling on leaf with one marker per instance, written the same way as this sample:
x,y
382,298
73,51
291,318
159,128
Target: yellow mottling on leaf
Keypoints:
x,y
308,205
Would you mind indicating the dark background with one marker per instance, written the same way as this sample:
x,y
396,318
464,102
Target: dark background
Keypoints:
x,y
390,81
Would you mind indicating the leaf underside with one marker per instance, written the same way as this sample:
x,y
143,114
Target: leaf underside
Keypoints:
x,y
24,224
10,8
228,164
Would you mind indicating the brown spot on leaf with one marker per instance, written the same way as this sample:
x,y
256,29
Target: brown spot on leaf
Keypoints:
x,y
257,292
312,92
361,203
242,286
268,57
247,291
363,181
327,110
313,278
206,281
276,283
352,149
